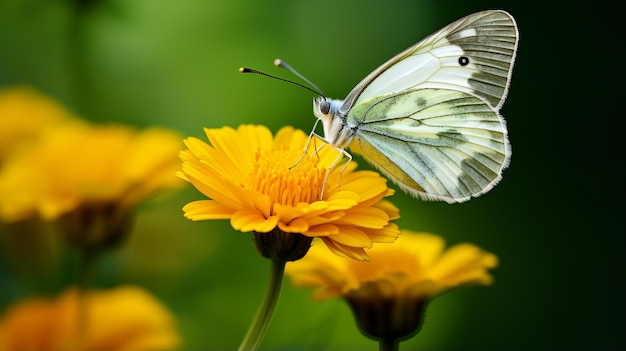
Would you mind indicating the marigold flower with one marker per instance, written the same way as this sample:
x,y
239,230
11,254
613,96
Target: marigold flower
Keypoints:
x,y
80,164
122,319
389,293
24,114
264,183
88,178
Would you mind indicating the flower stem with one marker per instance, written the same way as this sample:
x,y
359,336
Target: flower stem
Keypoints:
x,y
389,345
86,266
261,321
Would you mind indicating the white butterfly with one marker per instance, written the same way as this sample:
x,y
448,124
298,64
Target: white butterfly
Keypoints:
x,y
429,117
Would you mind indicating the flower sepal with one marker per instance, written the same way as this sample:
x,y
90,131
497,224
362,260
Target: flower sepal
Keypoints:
x,y
281,246
384,317
96,227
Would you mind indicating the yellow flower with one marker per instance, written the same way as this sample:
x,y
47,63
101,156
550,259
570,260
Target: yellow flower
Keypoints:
x,y
82,164
263,184
88,178
24,114
389,293
121,319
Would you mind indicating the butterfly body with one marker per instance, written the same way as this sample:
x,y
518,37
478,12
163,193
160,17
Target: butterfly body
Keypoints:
x,y
429,117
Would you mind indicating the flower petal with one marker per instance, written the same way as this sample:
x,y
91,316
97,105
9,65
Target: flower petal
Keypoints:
x,y
463,263
248,220
351,236
295,226
206,209
337,248
369,217
322,230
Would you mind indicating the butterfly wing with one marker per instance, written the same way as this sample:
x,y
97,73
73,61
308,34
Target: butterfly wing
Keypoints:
x,y
429,118
486,40
437,144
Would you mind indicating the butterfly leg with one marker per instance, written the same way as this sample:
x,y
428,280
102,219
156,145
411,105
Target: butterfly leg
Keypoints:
x,y
305,151
342,153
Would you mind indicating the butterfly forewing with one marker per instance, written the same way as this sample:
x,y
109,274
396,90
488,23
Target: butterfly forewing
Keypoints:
x,y
474,54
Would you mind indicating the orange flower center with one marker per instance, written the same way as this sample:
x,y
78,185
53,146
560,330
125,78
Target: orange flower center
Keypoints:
x,y
276,173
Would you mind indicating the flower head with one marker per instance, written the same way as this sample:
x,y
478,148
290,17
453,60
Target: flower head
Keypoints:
x,y
122,319
88,178
81,164
264,183
389,293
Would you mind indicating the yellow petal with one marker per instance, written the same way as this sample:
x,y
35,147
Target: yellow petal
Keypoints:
x,y
355,253
295,226
248,220
369,217
206,209
322,230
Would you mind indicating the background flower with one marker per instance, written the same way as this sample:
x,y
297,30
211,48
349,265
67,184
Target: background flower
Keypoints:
x,y
81,164
126,318
417,264
261,182
388,294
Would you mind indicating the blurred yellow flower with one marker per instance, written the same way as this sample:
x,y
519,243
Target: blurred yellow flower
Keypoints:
x,y
263,184
122,319
24,114
80,164
388,294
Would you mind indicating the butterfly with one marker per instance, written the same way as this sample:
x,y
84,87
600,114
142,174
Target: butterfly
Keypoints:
x,y
429,117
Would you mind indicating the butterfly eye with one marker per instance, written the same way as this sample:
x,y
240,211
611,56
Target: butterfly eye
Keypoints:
x,y
463,61
325,107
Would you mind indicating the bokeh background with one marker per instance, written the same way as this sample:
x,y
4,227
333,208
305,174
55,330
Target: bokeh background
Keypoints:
x,y
555,221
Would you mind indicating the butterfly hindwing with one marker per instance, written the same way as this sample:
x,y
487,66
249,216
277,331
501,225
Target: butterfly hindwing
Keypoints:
x,y
437,144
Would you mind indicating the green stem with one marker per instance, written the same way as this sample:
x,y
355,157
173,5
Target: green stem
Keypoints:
x,y
261,321
86,267
389,345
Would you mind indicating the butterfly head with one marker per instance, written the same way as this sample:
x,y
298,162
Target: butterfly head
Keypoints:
x,y
336,132
322,108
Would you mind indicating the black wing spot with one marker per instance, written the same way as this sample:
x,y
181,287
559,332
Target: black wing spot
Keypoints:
x,y
463,61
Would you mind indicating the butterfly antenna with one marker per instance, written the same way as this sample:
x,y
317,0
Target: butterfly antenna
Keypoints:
x,y
280,63
252,70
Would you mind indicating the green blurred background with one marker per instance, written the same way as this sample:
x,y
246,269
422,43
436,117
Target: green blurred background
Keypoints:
x,y
555,220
